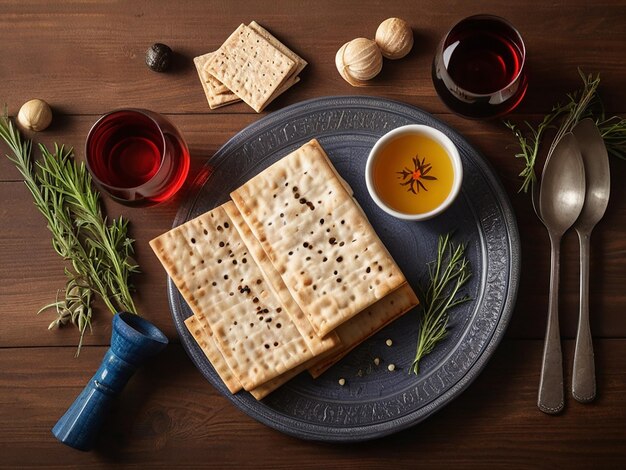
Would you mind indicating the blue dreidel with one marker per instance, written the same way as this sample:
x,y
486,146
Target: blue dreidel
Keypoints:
x,y
133,340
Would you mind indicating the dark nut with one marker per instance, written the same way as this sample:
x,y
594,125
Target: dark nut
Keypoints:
x,y
158,57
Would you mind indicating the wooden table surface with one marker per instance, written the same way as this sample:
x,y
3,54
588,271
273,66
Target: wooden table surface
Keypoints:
x,y
86,58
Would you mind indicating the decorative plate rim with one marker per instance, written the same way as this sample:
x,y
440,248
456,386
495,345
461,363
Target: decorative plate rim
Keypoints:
x,y
313,431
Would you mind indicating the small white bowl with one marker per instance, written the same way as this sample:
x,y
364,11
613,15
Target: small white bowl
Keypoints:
x,y
433,134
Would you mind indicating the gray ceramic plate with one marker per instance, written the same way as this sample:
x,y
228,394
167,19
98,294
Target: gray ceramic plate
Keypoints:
x,y
374,401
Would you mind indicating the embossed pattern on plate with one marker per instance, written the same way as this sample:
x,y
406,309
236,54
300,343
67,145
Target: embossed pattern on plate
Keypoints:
x,y
374,401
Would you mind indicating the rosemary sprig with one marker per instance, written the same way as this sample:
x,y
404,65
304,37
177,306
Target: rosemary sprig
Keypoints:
x,y
100,254
529,146
613,131
447,275
579,105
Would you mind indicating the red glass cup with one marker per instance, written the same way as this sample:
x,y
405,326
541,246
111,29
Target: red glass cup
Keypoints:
x,y
137,156
479,69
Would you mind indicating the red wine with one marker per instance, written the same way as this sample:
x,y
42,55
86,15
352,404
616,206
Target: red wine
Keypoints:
x,y
478,71
137,156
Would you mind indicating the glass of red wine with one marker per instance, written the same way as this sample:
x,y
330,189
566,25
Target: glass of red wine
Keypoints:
x,y
479,68
137,156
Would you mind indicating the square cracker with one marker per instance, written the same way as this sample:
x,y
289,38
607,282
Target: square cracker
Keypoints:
x,y
204,337
365,324
300,62
216,93
317,238
212,268
250,66
269,37
219,95
351,334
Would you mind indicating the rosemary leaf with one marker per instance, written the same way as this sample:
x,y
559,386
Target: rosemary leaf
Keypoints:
x,y
447,275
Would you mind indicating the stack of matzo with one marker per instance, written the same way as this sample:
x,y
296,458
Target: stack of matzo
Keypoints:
x,y
287,276
251,65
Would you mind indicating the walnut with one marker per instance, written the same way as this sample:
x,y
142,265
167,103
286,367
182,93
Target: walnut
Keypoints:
x,y
394,37
358,61
35,115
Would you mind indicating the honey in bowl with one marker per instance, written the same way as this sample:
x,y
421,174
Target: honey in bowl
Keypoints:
x,y
414,172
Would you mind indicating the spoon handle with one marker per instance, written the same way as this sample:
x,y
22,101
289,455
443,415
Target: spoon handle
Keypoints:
x,y
551,399
584,374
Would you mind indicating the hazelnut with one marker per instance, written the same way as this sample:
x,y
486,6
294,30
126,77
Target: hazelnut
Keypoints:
x,y
358,61
158,57
35,115
394,37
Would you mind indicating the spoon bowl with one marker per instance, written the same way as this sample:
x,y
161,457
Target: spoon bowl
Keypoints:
x,y
561,199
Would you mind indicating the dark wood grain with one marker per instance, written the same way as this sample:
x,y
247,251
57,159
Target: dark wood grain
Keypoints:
x,y
86,58
169,416
89,57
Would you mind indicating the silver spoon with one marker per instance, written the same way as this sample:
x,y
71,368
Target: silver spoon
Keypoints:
x,y
561,198
598,178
